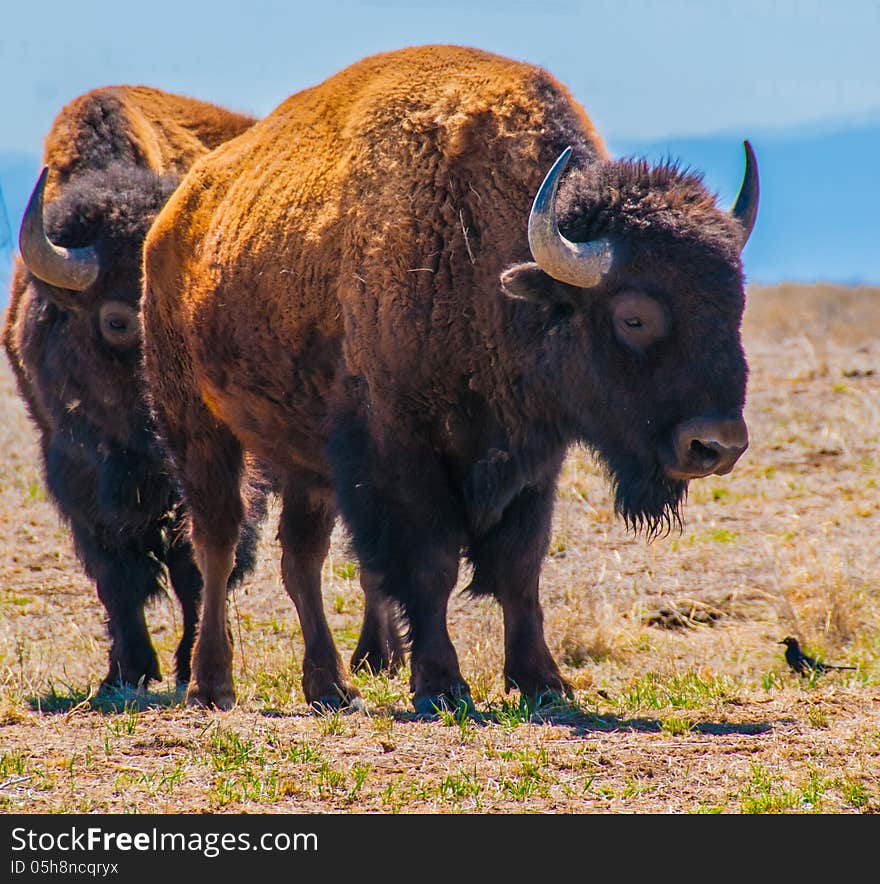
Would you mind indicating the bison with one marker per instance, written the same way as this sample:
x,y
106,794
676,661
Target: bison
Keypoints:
x,y
72,334
377,290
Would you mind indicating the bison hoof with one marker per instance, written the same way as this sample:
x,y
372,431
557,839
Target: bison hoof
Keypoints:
x,y
541,691
120,686
456,700
217,697
342,701
129,677
546,703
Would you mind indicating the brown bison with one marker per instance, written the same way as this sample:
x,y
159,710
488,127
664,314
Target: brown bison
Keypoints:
x,y
345,291
72,334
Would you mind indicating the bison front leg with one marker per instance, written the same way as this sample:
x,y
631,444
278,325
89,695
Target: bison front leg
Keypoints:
x,y
436,681
421,581
406,530
507,564
126,579
123,591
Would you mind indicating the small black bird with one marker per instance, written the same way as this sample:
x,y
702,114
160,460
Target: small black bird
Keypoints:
x,y
802,663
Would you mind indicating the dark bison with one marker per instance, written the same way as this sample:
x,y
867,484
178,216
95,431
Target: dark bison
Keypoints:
x,y
345,291
72,334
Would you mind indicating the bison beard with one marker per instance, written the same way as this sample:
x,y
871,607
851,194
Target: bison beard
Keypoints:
x,y
389,213
648,502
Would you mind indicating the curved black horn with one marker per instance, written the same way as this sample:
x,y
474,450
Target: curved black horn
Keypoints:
x,y
582,264
745,209
74,269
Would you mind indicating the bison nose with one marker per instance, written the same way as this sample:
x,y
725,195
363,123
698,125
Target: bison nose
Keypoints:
x,y
703,446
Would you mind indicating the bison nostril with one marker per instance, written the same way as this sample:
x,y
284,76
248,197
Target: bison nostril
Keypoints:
x,y
705,445
702,454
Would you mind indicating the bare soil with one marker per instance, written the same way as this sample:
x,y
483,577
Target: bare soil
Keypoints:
x,y
683,702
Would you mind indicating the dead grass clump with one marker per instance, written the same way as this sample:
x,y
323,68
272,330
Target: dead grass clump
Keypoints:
x,y
590,629
824,598
12,712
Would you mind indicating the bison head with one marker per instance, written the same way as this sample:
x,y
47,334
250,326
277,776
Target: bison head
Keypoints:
x,y
642,277
83,252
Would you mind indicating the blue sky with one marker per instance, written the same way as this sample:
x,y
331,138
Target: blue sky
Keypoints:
x,y
647,72
642,69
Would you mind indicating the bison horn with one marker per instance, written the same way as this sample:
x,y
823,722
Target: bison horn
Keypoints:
x,y
74,269
578,263
745,209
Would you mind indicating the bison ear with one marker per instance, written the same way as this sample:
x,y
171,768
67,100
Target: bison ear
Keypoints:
x,y
527,282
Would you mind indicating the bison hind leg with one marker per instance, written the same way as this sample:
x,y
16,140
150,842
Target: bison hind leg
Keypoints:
x,y
381,647
186,581
210,475
211,479
307,518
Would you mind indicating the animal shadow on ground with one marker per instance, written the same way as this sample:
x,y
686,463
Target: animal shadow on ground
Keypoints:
x,y
108,702
559,712
562,712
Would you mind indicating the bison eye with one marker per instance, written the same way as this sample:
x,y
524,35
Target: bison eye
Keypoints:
x,y
118,323
638,319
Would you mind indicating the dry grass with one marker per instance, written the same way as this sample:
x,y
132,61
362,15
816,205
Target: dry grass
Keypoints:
x,y
683,699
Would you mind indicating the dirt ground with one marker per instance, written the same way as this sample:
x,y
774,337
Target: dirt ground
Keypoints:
x,y
683,702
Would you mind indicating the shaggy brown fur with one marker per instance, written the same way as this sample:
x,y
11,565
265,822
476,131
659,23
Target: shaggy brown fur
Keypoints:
x,y
139,125
115,155
323,291
134,126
